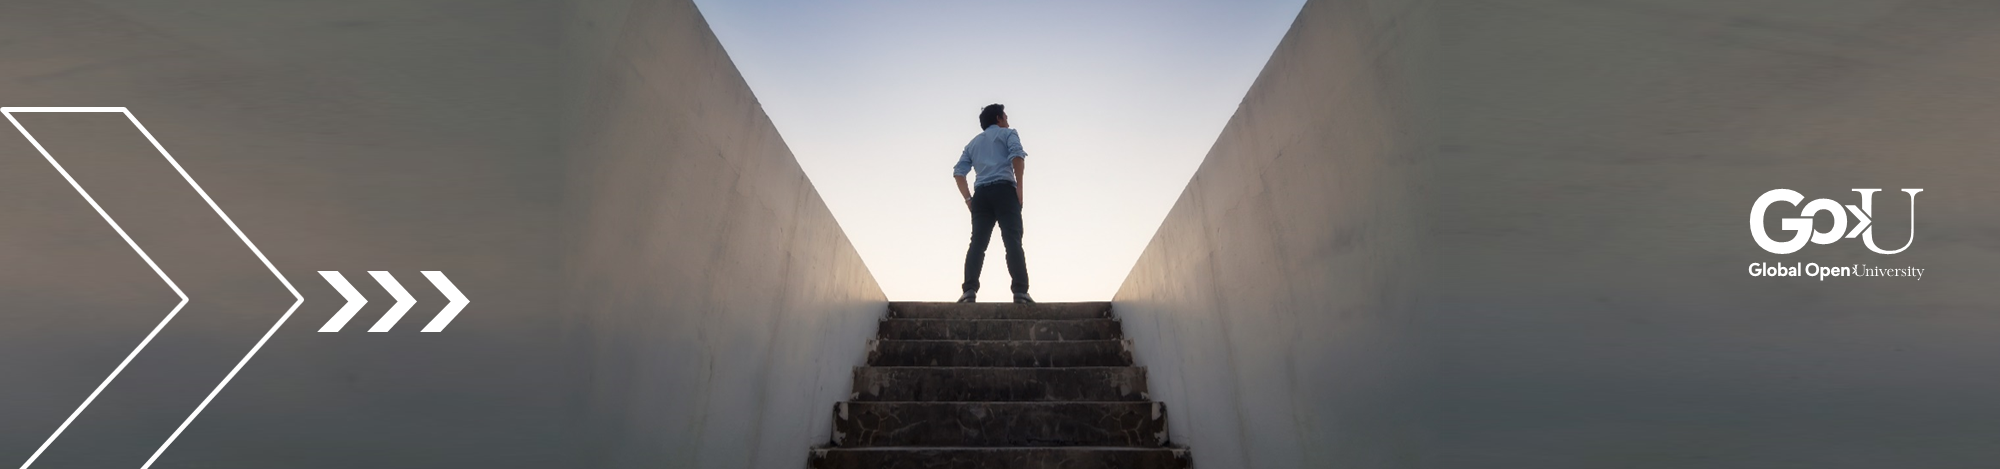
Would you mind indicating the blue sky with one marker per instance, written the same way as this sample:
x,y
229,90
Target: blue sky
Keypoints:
x,y
1116,103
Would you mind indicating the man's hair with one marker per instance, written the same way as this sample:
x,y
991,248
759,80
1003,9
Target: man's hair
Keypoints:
x,y
990,116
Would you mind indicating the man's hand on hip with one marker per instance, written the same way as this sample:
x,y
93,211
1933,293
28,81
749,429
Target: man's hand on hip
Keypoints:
x,y
963,191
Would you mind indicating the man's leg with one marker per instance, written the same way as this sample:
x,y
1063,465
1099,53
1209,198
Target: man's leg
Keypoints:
x,y
1007,211
982,234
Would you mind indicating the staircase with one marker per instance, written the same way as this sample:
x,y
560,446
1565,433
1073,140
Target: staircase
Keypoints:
x,y
999,385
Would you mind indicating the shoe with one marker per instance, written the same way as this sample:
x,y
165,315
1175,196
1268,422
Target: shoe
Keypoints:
x,y
967,297
1023,298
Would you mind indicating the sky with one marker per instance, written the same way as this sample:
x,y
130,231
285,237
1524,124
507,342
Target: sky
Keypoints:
x,y
1116,102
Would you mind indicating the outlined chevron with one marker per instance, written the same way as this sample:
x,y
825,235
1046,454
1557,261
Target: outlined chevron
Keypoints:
x,y
297,299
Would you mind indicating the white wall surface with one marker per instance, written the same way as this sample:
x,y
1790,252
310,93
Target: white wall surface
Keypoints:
x,y
1273,307
719,304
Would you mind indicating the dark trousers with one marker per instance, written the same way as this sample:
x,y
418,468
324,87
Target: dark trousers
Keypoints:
x,y
996,203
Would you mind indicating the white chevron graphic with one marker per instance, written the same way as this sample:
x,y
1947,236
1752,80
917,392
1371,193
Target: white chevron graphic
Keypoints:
x,y
403,301
9,112
354,301
450,311
297,300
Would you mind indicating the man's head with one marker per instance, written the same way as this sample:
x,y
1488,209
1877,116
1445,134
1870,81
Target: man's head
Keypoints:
x,y
992,115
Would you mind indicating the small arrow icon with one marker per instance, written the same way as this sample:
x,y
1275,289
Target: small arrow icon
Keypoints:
x,y
354,301
450,311
403,301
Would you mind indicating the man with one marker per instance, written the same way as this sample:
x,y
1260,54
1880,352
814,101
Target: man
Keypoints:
x,y
996,153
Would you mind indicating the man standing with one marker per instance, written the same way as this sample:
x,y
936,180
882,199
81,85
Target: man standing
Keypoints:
x,y
996,153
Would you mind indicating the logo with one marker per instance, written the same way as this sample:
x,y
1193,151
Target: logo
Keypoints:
x,y
1803,224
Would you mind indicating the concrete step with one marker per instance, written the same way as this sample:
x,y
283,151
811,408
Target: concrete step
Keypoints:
x,y
930,310
1122,383
1127,424
1006,353
1000,329
894,457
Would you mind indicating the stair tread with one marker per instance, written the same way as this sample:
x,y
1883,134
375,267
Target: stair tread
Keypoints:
x,y
1002,448
1111,319
1086,310
1005,403
1092,304
1000,424
999,353
1016,457
1000,321
1004,368
1001,340
999,329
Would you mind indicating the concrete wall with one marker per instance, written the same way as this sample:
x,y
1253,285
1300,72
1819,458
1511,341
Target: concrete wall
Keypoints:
x,y
635,294
1272,309
1592,306
720,304
1579,255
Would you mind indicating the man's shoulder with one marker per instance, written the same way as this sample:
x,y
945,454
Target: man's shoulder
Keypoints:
x,y
989,134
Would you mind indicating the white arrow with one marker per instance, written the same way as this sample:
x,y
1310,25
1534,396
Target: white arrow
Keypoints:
x,y
354,301
403,301
450,311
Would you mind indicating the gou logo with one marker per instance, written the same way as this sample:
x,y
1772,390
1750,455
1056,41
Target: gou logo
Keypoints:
x,y
1803,224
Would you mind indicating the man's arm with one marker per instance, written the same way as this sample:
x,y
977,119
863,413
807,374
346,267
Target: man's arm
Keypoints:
x,y
963,191
1020,167
958,172
1020,159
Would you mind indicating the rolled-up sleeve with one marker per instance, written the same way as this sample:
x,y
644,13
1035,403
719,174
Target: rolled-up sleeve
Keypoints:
x,y
964,163
1014,146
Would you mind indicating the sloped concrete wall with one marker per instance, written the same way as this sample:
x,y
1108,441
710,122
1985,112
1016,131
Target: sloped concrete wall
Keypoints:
x,y
1573,258
1273,307
719,304
1593,306
664,290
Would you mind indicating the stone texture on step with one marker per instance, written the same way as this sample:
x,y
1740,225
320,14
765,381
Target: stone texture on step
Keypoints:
x,y
999,329
1130,424
999,385
1008,353
1000,458
1122,383
922,310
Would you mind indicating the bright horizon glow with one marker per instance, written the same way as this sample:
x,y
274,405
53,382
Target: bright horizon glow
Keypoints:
x,y
1116,102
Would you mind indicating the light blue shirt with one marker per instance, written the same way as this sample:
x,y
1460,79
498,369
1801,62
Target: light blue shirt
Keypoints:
x,y
992,152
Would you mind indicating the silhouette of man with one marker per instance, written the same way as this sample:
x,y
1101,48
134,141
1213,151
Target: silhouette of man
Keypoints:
x,y
996,154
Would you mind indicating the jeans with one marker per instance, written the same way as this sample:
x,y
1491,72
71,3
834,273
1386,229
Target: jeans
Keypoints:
x,y
991,203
